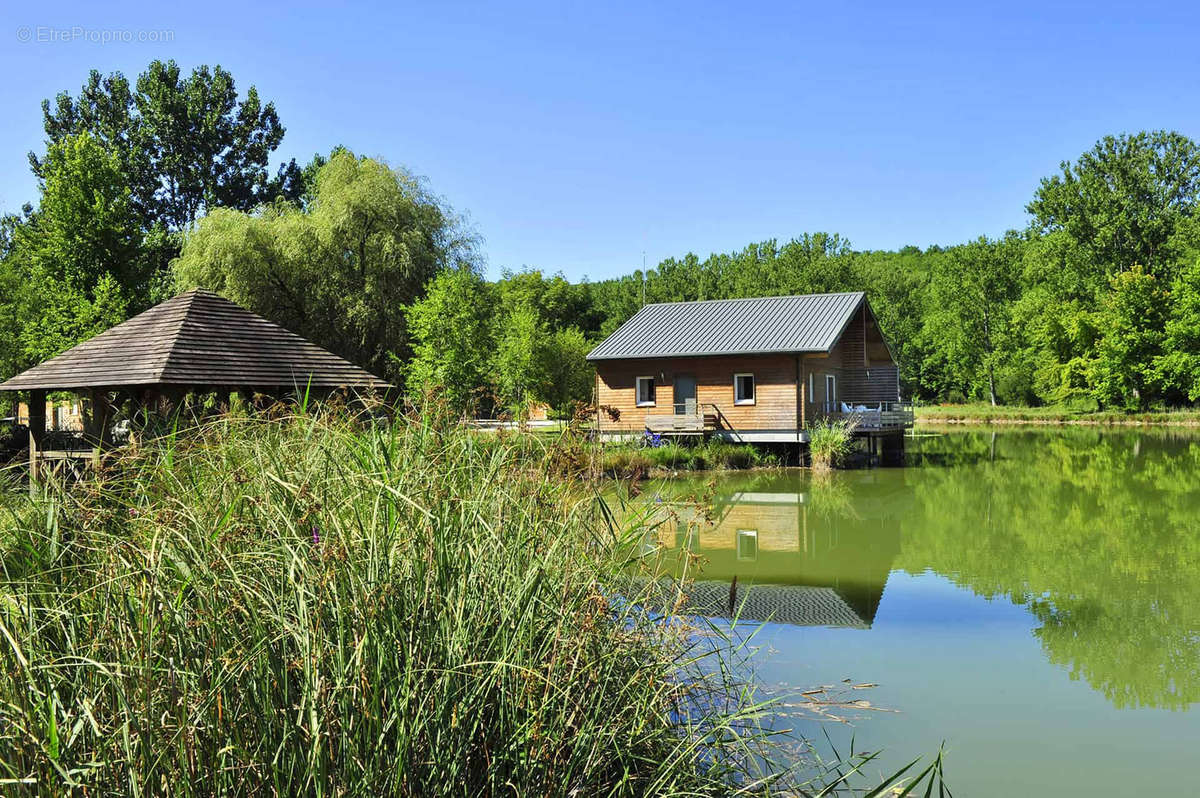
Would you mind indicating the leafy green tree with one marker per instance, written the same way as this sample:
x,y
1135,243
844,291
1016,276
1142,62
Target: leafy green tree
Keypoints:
x,y
897,283
81,254
541,350
186,144
341,270
558,302
1178,367
13,303
1119,205
86,225
1058,346
1133,320
570,378
451,339
66,315
520,358
970,308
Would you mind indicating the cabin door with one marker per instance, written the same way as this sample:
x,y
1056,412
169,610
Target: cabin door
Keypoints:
x,y
685,395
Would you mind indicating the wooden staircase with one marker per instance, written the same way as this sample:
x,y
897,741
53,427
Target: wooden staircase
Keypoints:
x,y
703,419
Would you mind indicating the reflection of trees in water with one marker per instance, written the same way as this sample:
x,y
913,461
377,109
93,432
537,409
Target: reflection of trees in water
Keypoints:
x,y
1098,532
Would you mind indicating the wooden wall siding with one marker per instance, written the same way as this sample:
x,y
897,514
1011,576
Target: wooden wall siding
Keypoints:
x,y
852,348
876,384
774,380
877,348
861,378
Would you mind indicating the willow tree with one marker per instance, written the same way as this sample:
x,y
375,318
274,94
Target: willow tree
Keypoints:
x,y
340,271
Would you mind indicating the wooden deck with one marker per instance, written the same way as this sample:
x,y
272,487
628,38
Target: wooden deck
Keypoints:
x,y
873,417
707,419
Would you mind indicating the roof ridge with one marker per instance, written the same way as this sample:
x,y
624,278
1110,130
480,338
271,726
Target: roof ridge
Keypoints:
x,y
750,298
185,298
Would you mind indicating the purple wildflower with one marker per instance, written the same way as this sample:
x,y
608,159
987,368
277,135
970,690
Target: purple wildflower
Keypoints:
x,y
316,535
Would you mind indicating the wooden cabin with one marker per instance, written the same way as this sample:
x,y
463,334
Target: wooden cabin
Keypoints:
x,y
760,370
65,415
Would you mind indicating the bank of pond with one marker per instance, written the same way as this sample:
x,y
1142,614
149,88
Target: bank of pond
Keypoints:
x,y
1083,415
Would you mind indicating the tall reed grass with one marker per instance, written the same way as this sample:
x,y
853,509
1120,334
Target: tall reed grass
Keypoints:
x,y
830,442
308,606
621,460
298,607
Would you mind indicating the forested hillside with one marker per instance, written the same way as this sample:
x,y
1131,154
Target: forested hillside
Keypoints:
x,y
151,186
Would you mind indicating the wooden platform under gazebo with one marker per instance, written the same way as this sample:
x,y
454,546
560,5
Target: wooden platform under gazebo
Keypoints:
x,y
197,342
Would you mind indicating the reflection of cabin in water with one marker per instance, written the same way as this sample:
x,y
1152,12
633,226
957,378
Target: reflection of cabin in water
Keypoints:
x,y
750,370
799,557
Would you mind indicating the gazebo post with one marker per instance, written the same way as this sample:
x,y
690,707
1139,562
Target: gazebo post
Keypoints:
x,y
37,433
101,420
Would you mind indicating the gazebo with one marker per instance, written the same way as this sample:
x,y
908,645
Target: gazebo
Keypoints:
x,y
196,342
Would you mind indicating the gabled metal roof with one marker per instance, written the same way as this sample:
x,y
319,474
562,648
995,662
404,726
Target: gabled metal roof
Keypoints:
x,y
763,325
196,339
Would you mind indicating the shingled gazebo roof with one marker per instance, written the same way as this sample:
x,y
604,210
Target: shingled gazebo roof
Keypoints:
x,y
195,339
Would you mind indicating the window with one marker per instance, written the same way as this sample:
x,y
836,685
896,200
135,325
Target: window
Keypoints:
x,y
747,545
743,389
831,392
645,392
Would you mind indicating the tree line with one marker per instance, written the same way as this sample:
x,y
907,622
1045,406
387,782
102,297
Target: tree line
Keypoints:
x,y
1096,303
163,183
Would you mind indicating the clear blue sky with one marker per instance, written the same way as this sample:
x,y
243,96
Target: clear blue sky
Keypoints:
x,y
578,135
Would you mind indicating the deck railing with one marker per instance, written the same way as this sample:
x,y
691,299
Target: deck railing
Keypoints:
x,y
869,415
687,418
694,418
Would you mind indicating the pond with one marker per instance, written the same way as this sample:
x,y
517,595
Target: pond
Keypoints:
x,y
1030,597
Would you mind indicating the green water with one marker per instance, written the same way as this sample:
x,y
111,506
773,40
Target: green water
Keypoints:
x,y
1032,598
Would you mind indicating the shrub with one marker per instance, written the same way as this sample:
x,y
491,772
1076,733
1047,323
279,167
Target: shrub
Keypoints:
x,y
741,456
